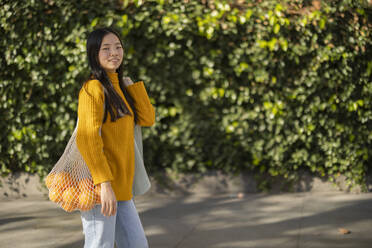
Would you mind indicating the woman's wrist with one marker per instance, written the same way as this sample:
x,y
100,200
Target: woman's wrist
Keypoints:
x,y
106,184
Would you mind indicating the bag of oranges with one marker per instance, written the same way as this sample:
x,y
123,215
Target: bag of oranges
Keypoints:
x,y
70,183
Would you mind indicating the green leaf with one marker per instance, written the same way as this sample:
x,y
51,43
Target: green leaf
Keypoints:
x,y
276,28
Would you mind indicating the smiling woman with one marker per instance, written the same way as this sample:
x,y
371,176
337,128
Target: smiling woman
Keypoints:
x,y
110,154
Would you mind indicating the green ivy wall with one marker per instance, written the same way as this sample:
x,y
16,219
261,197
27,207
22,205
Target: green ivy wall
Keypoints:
x,y
269,86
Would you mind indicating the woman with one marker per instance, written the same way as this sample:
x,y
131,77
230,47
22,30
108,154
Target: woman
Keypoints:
x,y
114,104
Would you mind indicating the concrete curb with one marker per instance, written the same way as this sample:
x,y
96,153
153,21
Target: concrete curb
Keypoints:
x,y
21,185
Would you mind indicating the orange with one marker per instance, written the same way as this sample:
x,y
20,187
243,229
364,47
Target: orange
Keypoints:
x,y
68,206
86,200
70,195
72,182
86,185
55,195
49,180
97,193
62,179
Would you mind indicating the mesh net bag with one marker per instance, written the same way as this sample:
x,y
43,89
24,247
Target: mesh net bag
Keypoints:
x,y
70,183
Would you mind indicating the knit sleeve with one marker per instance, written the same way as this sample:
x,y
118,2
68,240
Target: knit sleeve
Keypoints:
x,y
88,139
144,108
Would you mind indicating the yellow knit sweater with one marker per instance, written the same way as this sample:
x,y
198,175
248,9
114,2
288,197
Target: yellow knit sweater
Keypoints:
x,y
110,157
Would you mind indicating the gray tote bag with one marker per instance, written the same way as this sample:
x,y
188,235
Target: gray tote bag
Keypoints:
x,y
141,182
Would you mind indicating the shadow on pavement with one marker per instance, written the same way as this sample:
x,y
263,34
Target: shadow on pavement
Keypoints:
x,y
4,221
257,220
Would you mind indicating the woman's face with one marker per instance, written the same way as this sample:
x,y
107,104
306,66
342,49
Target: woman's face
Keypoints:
x,y
110,53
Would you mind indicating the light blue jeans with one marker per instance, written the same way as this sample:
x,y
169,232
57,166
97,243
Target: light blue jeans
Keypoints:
x,y
124,228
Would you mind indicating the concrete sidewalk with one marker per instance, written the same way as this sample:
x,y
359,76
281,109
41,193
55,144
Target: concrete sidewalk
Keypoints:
x,y
199,221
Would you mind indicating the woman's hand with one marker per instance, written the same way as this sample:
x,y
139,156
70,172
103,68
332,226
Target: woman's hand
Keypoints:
x,y
127,81
108,199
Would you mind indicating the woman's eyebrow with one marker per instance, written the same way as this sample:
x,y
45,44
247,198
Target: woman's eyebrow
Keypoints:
x,y
107,44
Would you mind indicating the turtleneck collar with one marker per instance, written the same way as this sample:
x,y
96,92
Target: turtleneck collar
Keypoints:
x,y
113,77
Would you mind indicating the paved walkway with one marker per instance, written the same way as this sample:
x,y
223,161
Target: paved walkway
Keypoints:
x,y
287,220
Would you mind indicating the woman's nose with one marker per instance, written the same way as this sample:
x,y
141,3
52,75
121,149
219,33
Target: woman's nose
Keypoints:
x,y
113,52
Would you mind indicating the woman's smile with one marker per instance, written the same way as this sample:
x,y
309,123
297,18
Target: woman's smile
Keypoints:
x,y
114,61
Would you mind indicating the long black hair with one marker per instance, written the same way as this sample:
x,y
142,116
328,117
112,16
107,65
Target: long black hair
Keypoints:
x,y
112,98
